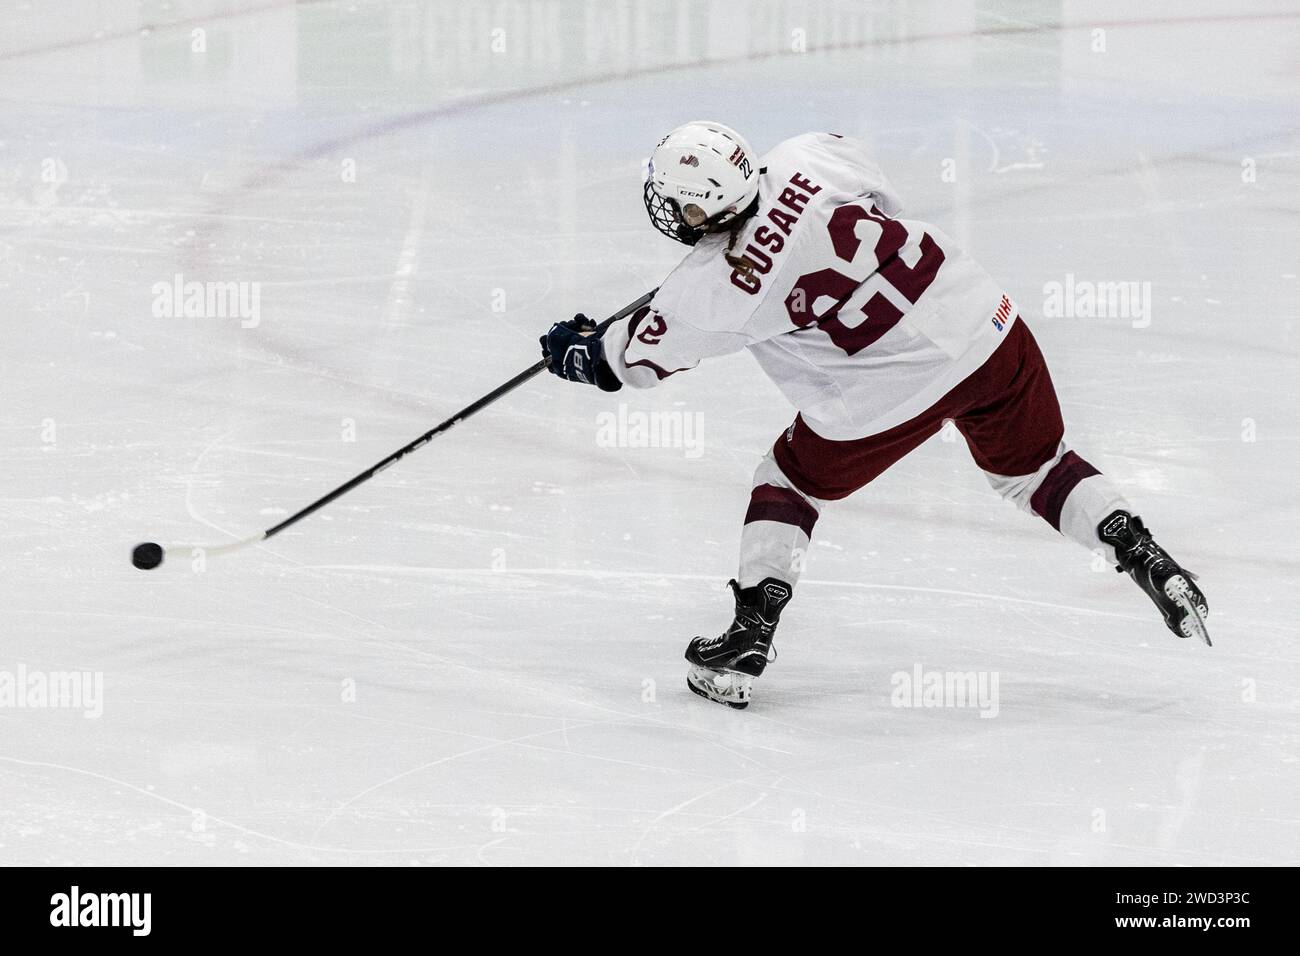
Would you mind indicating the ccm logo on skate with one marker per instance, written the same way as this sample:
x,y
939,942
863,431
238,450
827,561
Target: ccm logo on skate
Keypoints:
x,y
776,592
1114,526
75,909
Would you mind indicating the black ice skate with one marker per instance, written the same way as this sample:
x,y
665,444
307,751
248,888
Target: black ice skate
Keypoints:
x,y
723,668
1169,585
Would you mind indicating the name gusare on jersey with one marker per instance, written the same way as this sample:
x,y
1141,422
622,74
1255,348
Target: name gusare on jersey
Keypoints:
x,y
755,260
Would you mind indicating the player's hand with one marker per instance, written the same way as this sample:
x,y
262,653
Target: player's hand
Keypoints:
x,y
574,351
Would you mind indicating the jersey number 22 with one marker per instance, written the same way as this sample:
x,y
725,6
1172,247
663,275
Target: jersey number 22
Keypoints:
x,y
880,314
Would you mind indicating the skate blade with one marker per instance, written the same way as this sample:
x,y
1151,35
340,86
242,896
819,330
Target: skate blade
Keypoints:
x,y
1178,590
722,687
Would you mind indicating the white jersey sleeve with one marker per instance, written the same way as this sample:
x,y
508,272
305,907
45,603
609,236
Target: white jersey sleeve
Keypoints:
x,y
650,346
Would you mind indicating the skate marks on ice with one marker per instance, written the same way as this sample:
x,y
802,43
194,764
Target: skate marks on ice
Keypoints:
x,y
821,728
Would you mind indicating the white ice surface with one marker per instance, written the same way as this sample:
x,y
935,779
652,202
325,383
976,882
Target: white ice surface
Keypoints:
x,y
511,603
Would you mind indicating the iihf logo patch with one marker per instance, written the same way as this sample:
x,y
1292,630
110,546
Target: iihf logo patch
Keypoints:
x,y
1002,314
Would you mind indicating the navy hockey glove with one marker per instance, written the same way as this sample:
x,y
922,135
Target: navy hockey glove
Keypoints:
x,y
576,354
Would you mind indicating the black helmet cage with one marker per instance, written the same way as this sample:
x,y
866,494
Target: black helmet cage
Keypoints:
x,y
667,217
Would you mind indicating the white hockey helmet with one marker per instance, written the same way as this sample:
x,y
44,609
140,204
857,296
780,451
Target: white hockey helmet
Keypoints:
x,y
701,175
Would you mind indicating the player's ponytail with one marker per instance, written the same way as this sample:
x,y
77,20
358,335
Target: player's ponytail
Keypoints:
x,y
741,264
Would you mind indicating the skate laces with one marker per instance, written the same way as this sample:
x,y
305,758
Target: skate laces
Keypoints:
x,y
737,626
1157,565
712,641
747,620
1140,550
763,633
1145,553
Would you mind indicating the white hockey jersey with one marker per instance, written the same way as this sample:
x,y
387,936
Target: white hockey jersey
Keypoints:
x,y
861,319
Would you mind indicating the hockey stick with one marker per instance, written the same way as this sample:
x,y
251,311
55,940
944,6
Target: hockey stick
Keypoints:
x,y
149,555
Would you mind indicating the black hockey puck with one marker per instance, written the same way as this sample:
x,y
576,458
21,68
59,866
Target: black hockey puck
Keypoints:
x,y
147,556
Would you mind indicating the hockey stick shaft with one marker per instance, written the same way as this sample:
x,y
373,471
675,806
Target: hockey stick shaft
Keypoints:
x,y
470,409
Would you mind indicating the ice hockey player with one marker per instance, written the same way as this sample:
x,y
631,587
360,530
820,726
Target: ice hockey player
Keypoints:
x,y
878,330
